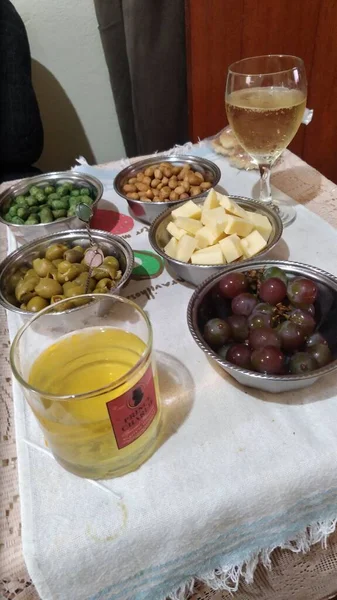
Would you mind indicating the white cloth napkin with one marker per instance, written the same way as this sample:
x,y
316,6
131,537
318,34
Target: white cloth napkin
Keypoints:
x,y
238,472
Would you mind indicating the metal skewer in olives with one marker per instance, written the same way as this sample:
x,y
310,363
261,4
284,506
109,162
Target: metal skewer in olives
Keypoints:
x,y
61,273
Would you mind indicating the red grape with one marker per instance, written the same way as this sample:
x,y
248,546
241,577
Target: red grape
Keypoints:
x,y
273,290
302,362
302,291
264,336
315,338
239,354
321,353
216,332
259,320
233,284
292,337
244,304
239,327
309,308
304,320
268,360
264,307
275,272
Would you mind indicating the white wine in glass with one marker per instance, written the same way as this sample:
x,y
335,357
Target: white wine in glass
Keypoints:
x,y
265,103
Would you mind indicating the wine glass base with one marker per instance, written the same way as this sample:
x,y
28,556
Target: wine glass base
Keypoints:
x,y
285,211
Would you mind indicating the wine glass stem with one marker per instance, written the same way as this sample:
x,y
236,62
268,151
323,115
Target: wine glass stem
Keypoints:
x,y
265,189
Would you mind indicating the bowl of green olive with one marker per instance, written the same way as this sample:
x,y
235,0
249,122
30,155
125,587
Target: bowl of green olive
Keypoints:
x,y
47,203
54,268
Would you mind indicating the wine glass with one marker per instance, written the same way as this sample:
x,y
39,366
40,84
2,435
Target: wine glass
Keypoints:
x,y
265,102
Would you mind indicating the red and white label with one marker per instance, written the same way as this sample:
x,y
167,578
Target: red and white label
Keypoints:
x,y
133,412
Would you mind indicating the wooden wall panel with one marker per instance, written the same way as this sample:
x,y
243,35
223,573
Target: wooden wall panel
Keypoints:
x,y
281,27
212,43
320,147
218,32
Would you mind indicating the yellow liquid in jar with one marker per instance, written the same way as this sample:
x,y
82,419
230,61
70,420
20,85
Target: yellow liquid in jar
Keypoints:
x,y
79,431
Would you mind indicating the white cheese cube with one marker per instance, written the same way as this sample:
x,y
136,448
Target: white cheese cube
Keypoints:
x,y
189,209
186,246
241,227
215,218
209,256
188,224
231,248
207,237
231,207
261,223
211,200
204,214
171,248
175,231
253,243
208,249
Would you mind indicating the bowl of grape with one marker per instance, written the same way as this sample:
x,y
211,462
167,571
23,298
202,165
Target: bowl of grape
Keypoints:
x,y
272,325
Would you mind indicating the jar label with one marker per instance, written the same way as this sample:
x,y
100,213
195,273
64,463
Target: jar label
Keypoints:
x,y
133,412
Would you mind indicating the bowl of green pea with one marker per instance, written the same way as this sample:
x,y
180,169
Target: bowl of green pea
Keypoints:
x,y
47,203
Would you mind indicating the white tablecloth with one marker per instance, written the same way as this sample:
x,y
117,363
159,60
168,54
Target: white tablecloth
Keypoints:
x,y
238,472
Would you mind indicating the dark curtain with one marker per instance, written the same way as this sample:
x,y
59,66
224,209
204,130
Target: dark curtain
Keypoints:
x,y
144,46
21,131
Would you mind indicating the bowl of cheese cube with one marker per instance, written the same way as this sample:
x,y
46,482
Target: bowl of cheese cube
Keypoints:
x,y
198,238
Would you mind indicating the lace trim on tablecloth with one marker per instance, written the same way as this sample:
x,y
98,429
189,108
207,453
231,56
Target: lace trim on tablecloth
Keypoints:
x,y
228,578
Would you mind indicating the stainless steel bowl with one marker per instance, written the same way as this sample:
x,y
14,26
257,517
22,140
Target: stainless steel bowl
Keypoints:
x,y
147,212
26,233
111,245
200,306
196,274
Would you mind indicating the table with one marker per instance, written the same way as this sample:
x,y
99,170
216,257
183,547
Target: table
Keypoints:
x,y
292,575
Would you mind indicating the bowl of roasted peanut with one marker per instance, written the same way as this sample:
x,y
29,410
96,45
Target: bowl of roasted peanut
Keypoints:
x,y
150,186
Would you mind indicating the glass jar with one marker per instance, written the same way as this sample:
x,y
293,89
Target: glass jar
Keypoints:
x,y
89,377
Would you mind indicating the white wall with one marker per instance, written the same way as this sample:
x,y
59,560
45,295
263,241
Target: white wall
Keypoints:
x,y
71,81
